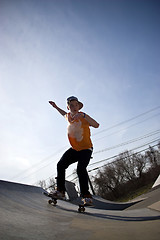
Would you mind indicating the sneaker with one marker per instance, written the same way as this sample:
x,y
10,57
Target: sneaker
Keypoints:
x,y
57,194
87,195
87,201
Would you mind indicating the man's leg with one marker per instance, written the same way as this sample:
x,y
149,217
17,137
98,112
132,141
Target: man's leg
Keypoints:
x,y
67,159
83,161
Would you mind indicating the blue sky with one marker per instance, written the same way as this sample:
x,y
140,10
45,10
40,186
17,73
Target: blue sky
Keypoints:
x,y
104,52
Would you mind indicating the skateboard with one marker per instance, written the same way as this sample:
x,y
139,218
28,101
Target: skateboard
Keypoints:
x,y
80,202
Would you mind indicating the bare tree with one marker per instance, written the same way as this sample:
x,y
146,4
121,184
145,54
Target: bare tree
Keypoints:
x,y
42,183
128,172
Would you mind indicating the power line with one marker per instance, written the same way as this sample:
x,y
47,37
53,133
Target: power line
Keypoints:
x,y
127,127
130,141
37,164
128,120
94,169
89,165
37,170
121,158
155,140
51,156
107,159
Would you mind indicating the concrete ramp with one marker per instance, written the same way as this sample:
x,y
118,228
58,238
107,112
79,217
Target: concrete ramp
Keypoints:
x,y
101,203
157,182
151,198
7,188
25,195
98,202
26,215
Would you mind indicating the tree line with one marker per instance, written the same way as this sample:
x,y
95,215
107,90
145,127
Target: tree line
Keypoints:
x,y
127,173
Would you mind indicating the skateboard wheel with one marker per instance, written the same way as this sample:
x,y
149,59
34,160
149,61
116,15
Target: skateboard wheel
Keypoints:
x,y
81,209
55,202
49,201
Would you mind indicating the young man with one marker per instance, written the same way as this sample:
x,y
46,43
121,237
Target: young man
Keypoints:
x,y
81,146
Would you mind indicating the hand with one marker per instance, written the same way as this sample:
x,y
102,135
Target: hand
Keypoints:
x,y
53,104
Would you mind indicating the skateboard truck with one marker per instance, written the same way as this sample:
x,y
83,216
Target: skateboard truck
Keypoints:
x,y
53,200
81,209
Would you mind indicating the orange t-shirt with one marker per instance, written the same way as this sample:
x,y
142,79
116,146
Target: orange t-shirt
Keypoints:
x,y
78,133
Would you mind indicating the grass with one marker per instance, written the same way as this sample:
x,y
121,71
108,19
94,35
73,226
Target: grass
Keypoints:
x,y
130,196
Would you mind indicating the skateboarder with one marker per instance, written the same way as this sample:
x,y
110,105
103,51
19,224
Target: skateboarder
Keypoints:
x,y
81,147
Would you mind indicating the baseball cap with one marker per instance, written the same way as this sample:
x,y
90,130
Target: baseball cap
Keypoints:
x,y
72,98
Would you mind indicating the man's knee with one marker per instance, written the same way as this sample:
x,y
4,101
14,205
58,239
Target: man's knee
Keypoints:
x,y
61,165
81,170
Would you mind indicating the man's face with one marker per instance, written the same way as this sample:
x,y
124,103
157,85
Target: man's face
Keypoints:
x,y
73,106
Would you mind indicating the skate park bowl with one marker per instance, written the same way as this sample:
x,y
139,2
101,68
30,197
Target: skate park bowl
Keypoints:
x,y
26,214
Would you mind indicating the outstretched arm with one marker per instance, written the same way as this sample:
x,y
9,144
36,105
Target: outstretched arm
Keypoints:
x,y
61,111
92,122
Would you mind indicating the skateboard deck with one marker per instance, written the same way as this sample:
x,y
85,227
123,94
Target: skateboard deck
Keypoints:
x,y
79,202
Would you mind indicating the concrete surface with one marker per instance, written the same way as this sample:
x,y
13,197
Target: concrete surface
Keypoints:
x,y
25,214
147,199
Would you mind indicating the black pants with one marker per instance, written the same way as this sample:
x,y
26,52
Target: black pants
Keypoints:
x,y
71,156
